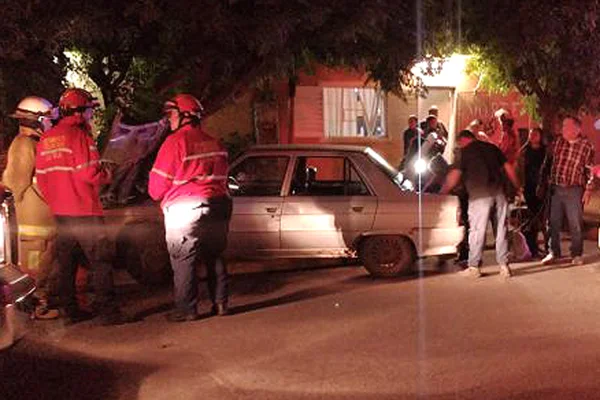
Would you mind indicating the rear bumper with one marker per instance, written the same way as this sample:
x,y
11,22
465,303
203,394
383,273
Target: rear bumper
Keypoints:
x,y
16,290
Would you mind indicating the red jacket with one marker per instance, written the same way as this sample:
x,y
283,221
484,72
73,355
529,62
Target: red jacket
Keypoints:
x,y
68,169
190,165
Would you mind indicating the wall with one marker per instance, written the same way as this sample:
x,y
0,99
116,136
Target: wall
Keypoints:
x,y
301,118
305,123
235,117
592,130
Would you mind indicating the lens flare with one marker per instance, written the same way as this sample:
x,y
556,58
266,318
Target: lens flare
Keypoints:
x,y
420,166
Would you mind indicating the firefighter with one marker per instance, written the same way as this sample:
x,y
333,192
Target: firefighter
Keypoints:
x,y
189,177
70,174
37,229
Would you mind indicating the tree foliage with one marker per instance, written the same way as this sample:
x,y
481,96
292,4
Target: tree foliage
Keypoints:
x,y
30,58
139,52
547,49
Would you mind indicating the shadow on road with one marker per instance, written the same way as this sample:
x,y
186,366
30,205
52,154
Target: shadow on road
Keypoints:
x,y
277,286
33,370
537,267
347,285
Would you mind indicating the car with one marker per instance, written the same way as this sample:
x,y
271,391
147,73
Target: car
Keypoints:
x,y
305,201
16,287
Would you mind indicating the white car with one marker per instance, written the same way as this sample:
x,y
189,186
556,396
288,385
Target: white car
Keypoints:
x,y
335,201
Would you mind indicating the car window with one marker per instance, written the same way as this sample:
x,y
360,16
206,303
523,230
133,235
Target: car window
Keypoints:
x,y
258,176
326,176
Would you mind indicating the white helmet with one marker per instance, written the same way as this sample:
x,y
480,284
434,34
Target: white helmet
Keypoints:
x,y
35,112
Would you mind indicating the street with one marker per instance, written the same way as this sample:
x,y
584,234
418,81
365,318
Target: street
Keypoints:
x,y
335,333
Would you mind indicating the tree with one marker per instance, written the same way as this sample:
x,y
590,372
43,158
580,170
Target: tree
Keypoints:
x,y
547,49
30,57
215,48
138,52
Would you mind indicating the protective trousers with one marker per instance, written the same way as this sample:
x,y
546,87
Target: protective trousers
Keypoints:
x,y
87,234
196,232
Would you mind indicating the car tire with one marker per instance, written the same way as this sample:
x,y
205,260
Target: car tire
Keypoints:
x,y
388,256
143,249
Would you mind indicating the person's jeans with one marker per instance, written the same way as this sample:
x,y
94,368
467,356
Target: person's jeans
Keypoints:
x,y
87,234
463,246
197,233
566,201
537,221
480,211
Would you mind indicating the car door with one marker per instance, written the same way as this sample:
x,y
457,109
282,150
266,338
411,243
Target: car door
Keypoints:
x,y
255,184
327,207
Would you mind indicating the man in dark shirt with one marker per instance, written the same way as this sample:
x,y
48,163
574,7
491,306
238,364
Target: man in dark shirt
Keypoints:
x,y
533,155
411,135
433,123
481,167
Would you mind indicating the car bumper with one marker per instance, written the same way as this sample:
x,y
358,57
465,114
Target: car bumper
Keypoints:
x,y
14,323
16,299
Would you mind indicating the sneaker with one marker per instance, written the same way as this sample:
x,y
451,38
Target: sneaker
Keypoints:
x,y
44,312
505,271
178,316
220,309
471,272
577,260
549,259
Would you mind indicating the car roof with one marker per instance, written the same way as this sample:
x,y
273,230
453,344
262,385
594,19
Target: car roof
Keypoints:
x,y
308,147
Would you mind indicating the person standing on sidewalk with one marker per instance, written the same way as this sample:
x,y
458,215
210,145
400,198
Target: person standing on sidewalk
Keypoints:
x,y
69,175
483,168
411,133
533,155
571,157
189,177
439,126
413,137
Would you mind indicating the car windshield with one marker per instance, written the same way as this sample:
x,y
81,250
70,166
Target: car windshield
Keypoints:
x,y
397,177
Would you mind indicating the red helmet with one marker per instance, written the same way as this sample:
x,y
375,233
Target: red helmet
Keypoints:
x,y
186,104
76,100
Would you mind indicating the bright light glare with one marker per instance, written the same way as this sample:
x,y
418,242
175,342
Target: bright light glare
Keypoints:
x,y
420,166
451,75
408,185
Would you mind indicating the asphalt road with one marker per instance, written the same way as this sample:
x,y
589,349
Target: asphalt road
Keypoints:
x,y
335,333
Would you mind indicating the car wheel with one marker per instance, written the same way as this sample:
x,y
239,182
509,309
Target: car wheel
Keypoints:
x,y
143,249
387,256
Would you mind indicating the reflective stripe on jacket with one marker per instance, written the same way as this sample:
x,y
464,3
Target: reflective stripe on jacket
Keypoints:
x,y
68,169
190,165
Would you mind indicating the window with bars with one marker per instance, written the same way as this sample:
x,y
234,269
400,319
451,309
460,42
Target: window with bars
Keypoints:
x,y
353,112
